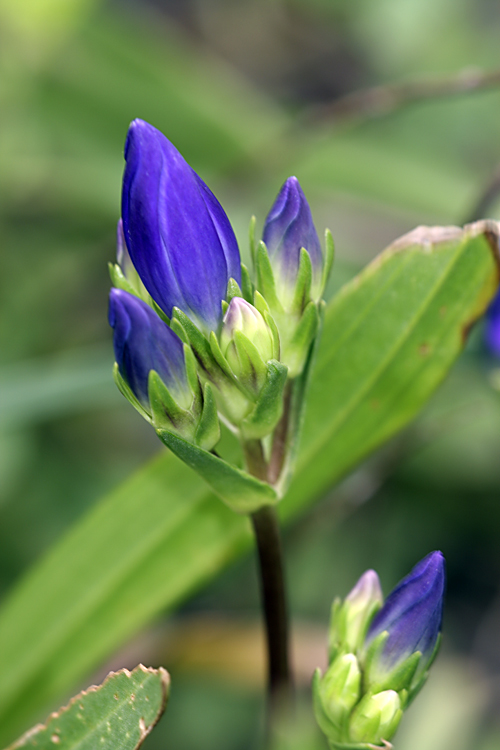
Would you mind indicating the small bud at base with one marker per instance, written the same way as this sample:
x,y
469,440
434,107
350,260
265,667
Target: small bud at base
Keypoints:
x,y
340,687
376,718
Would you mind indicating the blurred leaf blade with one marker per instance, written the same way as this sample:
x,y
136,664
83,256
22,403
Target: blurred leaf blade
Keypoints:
x,y
389,338
119,713
372,382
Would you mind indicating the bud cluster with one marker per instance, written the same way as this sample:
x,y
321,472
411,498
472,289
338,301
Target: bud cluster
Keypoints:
x,y
379,655
195,339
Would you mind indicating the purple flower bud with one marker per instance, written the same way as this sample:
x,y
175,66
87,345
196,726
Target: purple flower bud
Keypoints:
x,y
143,342
492,328
178,236
288,228
412,615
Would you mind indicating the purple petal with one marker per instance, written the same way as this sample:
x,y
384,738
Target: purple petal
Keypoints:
x,y
143,342
179,238
289,227
412,613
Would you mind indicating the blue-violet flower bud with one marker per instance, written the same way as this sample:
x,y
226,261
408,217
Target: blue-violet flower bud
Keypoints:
x,y
288,228
143,342
492,327
177,233
412,616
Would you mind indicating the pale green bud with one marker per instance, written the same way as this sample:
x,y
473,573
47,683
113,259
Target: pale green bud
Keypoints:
x,y
352,617
340,687
244,317
376,718
247,343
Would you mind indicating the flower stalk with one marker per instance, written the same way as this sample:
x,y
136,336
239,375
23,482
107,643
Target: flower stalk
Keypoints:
x,y
274,603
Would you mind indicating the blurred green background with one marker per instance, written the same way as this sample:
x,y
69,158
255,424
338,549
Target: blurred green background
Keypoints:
x,y
244,89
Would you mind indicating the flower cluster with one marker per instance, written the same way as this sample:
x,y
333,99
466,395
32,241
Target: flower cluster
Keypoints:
x,y
380,655
195,338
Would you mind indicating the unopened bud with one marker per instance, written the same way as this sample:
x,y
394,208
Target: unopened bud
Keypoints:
x,y
376,718
352,617
407,627
247,343
340,687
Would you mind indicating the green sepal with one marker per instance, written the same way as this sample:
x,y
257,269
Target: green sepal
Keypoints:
x,y
265,278
157,309
194,337
240,491
274,333
302,291
261,305
328,260
403,697
399,678
167,414
373,653
120,281
234,396
362,724
340,691
220,358
269,407
126,391
297,349
177,328
192,374
233,290
252,366
251,239
247,286
325,723
208,431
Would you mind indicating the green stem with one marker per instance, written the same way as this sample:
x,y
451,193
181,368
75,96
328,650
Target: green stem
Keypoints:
x,y
280,439
254,459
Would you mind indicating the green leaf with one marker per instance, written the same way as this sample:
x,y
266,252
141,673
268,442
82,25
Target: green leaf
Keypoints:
x,y
240,491
389,338
120,713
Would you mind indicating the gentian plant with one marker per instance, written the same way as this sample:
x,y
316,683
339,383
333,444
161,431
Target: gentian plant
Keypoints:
x,y
201,341
217,358
380,654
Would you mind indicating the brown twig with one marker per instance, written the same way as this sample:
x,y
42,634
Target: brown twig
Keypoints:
x,y
378,101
